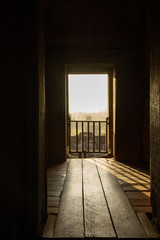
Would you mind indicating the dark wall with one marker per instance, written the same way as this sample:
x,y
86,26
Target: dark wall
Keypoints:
x,y
55,112
79,34
42,178
23,194
82,27
155,113
130,110
8,115
31,165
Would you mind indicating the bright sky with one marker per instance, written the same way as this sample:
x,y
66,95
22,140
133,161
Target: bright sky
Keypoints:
x,y
88,92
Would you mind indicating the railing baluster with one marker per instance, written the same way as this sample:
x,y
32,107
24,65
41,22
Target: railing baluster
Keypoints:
x,y
106,137
77,136
99,142
82,138
69,124
95,124
93,136
88,136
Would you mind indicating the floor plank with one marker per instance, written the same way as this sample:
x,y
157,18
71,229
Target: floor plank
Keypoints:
x,y
124,218
136,187
140,202
138,195
70,218
133,180
52,210
55,181
147,225
145,209
129,178
49,227
97,219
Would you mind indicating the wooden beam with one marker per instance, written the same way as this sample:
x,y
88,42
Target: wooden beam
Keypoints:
x,y
70,218
97,219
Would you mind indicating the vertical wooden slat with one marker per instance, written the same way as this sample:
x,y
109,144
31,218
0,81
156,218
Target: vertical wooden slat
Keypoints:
x,y
82,138
76,136
88,136
106,137
69,135
108,142
93,136
99,142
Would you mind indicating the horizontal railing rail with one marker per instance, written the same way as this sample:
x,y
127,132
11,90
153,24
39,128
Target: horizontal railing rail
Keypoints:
x,y
88,136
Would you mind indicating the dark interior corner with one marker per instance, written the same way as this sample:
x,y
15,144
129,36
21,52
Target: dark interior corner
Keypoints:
x,y
38,39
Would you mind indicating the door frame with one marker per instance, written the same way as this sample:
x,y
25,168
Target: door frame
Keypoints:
x,y
93,68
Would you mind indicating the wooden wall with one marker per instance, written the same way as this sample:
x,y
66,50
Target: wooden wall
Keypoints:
x,y
155,113
23,194
79,34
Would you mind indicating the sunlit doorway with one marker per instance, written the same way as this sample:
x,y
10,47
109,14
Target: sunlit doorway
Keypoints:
x,y
90,104
88,114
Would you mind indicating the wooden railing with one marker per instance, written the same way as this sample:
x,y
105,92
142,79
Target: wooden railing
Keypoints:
x,y
88,136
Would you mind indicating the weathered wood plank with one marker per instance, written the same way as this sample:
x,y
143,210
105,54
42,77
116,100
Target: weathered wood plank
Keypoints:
x,y
147,225
56,182
70,218
58,185
54,199
124,169
49,227
138,195
145,209
56,173
124,218
52,210
54,189
54,170
54,194
140,202
52,204
97,219
132,182
56,178
136,187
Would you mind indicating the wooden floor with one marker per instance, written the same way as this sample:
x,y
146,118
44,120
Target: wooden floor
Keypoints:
x,y
98,198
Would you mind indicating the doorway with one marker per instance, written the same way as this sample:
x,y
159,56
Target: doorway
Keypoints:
x,y
89,110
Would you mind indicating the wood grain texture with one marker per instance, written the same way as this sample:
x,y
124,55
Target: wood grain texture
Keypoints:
x,y
124,218
136,187
97,219
49,227
146,209
70,218
140,202
52,210
147,225
55,181
138,195
52,204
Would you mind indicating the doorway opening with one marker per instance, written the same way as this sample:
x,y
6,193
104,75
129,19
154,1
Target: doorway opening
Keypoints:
x,y
89,111
88,114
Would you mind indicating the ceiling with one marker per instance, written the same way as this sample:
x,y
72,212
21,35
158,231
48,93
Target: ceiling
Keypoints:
x,y
82,4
